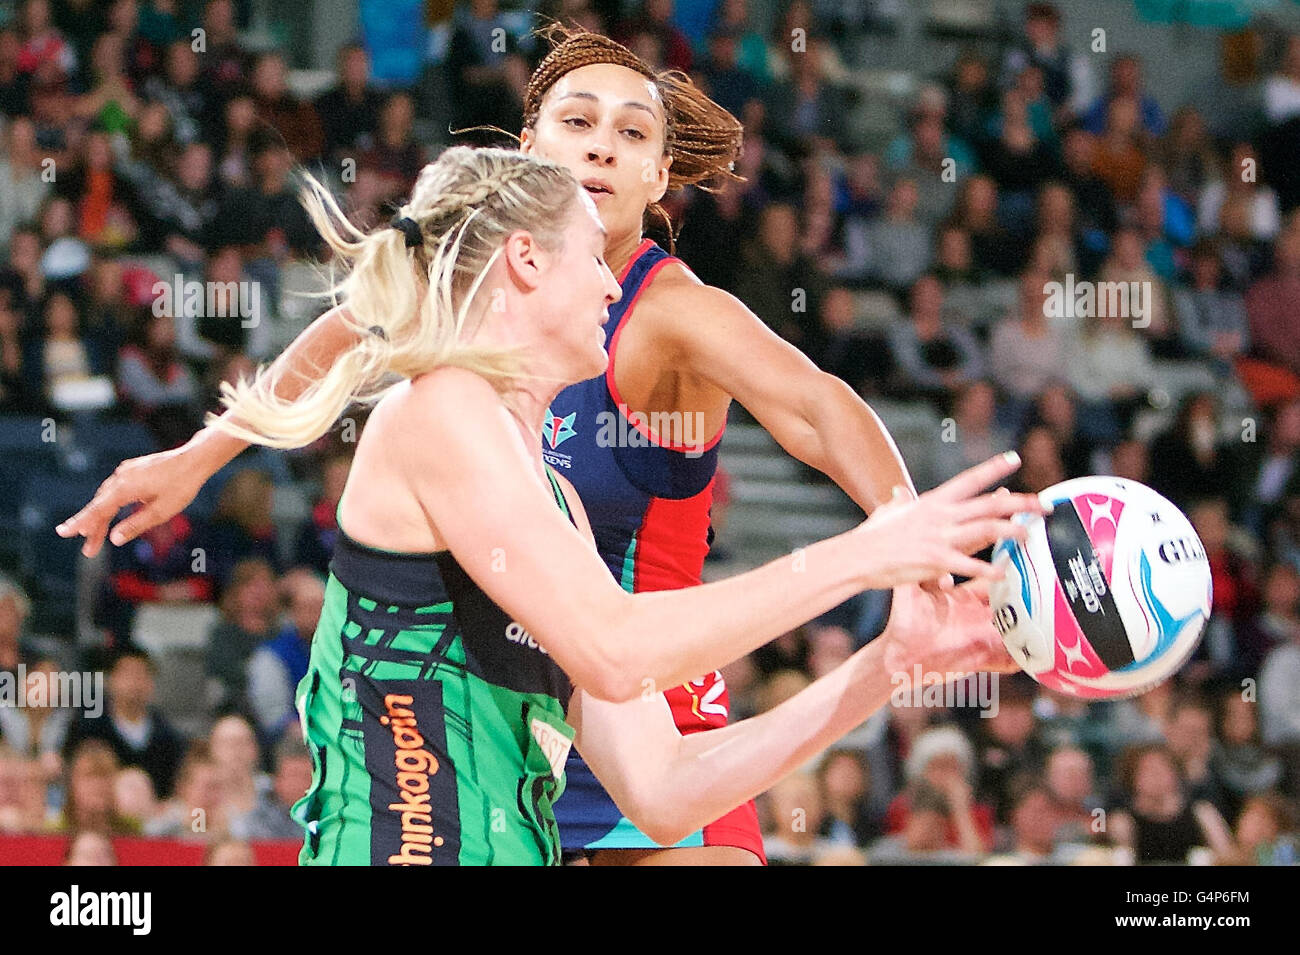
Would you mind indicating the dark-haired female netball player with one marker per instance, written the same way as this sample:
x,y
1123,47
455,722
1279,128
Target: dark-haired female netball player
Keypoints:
x,y
679,352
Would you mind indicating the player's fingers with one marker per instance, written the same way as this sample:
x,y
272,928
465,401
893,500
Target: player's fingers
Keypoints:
x,y
960,563
79,522
87,522
1001,503
129,528
92,521
1000,661
976,535
975,479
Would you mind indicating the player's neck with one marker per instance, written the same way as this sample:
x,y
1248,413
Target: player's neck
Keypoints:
x,y
528,406
619,251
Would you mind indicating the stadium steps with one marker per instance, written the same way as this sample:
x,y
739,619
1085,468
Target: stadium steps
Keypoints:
x,y
176,638
762,465
182,690
961,19
300,301
774,508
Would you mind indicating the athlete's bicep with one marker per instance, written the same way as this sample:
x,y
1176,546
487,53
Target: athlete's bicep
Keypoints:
x,y
719,340
476,484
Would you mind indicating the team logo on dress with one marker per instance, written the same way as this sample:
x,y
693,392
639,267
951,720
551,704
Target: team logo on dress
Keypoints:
x,y
557,430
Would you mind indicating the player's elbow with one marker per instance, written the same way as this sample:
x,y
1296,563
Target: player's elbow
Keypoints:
x,y
617,656
653,804
608,672
608,687
658,820
832,389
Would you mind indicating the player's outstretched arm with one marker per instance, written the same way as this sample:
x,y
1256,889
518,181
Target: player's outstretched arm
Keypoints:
x,y
470,471
669,785
814,416
165,483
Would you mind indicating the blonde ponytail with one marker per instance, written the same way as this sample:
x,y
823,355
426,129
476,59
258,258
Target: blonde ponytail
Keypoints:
x,y
409,306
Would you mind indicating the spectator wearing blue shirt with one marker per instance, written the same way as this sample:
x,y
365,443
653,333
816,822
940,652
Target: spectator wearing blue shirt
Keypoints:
x,y
933,360
248,619
751,56
269,818
936,160
905,149
895,248
486,68
727,84
242,527
277,666
806,107
1067,76
315,545
1211,318
1126,82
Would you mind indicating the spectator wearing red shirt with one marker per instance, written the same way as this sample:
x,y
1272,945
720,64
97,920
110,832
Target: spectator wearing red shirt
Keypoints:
x,y
1270,307
1234,597
42,42
294,119
157,567
942,758
315,544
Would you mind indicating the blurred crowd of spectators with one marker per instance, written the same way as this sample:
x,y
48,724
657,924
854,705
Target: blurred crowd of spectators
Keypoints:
x,y
916,268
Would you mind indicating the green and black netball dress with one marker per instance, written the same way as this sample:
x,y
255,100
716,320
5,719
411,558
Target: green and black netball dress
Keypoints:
x,y
435,722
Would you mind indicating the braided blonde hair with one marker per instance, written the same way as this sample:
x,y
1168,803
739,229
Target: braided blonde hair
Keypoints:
x,y
410,306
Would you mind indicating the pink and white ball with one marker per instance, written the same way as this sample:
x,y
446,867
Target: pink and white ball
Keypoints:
x,y
1109,593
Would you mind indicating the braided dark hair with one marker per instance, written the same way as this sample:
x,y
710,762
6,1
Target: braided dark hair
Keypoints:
x,y
702,137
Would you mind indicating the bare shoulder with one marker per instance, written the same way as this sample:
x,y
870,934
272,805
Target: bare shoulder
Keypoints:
x,y
448,389
675,283
445,411
448,382
570,492
676,300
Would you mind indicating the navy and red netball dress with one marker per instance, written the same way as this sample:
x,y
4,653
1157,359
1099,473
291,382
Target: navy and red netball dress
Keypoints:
x,y
647,485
